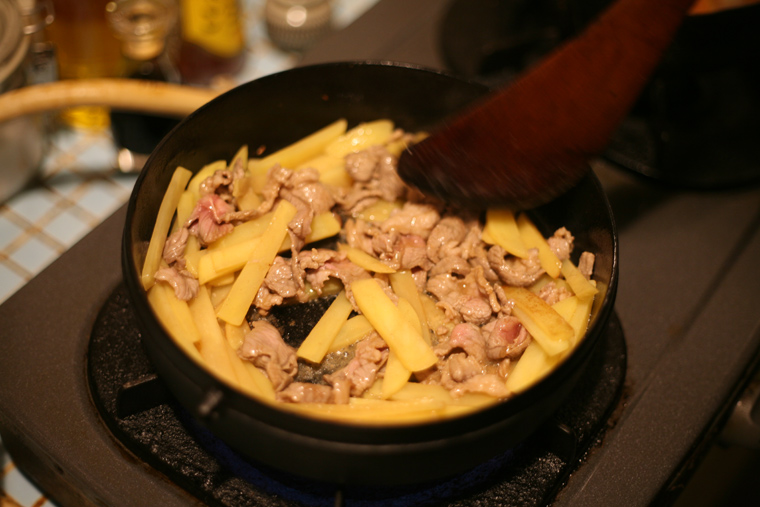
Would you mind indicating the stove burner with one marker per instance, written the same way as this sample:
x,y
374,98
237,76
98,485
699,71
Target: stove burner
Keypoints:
x,y
147,421
697,123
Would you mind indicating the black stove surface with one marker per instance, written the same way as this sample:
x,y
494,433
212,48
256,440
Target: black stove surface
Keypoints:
x,y
145,419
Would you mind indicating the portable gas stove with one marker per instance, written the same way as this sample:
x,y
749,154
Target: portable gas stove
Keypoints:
x,y
82,414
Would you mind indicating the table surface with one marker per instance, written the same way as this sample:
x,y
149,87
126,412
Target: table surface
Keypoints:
x,y
79,186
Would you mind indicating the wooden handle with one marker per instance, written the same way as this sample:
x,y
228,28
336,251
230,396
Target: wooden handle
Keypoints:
x,y
127,94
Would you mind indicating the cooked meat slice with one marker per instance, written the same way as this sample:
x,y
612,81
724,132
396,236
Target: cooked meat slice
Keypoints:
x,y
360,373
447,234
586,264
357,235
466,337
505,337
361,165
451,264
561,243
304,392
472,297
515,271
264,347
417,219
344,270
486,383
174,248
218,183
279,278
207,219
551,293
184,284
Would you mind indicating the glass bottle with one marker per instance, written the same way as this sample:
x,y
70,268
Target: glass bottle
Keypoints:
x,y
212,40
84,49
143,28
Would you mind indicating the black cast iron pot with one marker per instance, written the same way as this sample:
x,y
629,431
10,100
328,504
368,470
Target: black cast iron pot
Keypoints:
x,y
274,111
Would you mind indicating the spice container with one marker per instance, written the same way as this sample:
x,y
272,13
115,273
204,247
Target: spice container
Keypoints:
x,y
212,40
142,27
294,25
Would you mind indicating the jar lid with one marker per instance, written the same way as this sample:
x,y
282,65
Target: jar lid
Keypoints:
x,y
13,43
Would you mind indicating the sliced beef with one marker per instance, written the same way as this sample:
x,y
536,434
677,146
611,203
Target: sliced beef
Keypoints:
x,y
182,281
412,218
207,221
505,337
360,373
264,347
174,248
561,243
515,271
586,264
304,392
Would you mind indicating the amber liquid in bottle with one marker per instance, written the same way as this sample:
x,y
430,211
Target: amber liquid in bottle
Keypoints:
x,y
85,48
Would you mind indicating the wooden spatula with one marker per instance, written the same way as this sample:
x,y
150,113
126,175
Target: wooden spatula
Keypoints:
x,y
531,141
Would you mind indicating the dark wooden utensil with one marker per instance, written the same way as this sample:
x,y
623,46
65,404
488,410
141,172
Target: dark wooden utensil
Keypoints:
x,y
531,141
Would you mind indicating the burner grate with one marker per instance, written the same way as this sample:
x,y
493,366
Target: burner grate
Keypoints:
x,y
146,420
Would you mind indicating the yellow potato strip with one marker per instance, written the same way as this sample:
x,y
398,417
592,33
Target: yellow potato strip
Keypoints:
x,y
580,318
501,228
213,342
578,283
532,366
404,286
365,260
412,350
260,383
352,331
175,317
546,326
224,259
396,374
360,137
532,238
241,296
163,221
297,153
316,344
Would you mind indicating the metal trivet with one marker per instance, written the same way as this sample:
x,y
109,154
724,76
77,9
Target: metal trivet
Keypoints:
x,y
147,420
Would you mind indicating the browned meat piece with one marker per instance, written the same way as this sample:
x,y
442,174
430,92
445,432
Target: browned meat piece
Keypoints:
x,y
344,270
302,392
551,294
361,165
374,173
515,271
357,235
472,297
417,219
486,383
505,337
264,347
207,219
184,284
479,258
466,337
461,374
445,237
360,373
561,243
451,264
279,278
218,183
174,248
586,264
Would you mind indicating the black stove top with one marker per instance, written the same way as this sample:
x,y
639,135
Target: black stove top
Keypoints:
x,y
687,305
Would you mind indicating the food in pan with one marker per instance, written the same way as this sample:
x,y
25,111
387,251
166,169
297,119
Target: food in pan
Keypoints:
x,y
434,311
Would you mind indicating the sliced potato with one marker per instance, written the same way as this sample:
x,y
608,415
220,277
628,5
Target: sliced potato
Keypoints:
x,y
354,329
578,283
365,260
234,308
408,344
532,238
379,211
404,287
297,153
316,344
546,326
360,137
161,229
532,366
175,317
501,228
213,346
